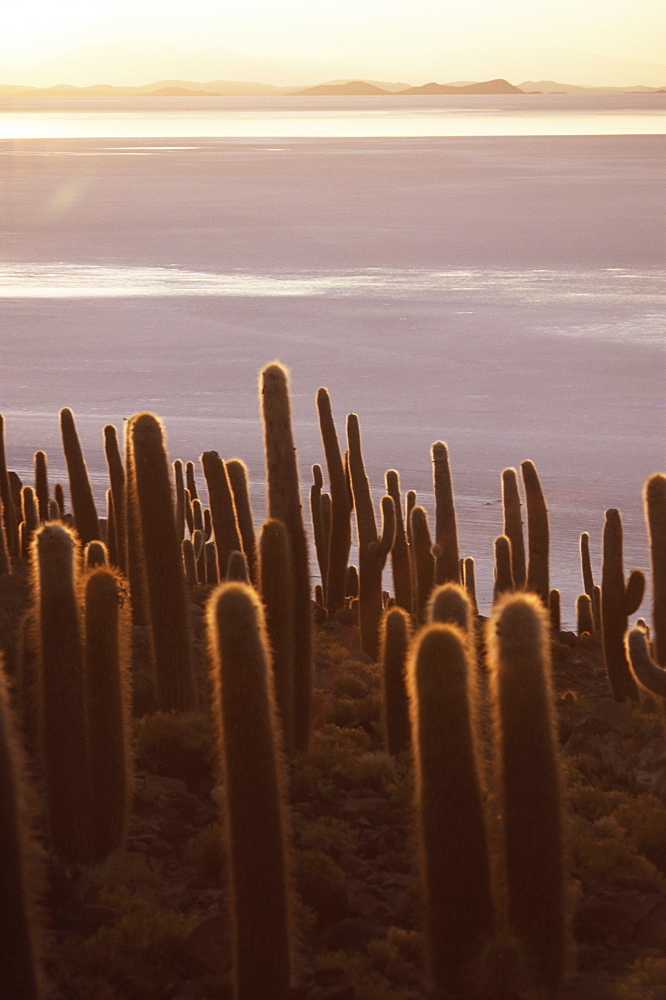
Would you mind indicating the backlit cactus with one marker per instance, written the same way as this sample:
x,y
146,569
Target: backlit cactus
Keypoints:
x,y
83,504
255,804
538,533
447,562
513,526
394,648
339,540
618,601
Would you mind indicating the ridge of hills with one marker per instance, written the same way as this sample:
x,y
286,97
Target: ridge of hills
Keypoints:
x,y
335,88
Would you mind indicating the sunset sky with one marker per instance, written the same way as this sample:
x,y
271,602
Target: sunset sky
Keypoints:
x,y
593,42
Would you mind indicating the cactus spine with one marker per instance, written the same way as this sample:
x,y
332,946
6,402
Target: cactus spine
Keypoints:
x,y
528,781
83,504
20,977
447,562
450,603
61,691
255,811
107,674
538,533
339,541
618,601
394,648
150,482
449,807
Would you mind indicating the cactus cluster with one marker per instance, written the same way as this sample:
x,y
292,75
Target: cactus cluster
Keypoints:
x,y
111,605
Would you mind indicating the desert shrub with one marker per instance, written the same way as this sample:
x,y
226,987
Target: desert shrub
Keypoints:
x,y
122,875
593,803
601,853
644,821
316,862
329,834
647,974
178,746
205,852
350,684
370,982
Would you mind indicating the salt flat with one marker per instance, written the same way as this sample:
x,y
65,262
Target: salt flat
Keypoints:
x,y
503,294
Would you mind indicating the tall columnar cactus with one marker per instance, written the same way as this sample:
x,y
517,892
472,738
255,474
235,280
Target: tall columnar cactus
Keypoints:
x,y
529,784
30,517
320,541
284,504
20,975
450,603
95,554
117,479
423,561
618,601
449,807
5,562
6,499
538,533
254,785
651,674
402,583
469,576
513,526
190,480
83,504
394,648
179,496
59,497
555,609
586,564
276,584
373,549
584,618
42,484
61,691
447,562
240,487
339,541
655,513
223,512
107,674
503,573
161,563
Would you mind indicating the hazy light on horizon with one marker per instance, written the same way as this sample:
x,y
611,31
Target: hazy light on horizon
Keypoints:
x,y
427,39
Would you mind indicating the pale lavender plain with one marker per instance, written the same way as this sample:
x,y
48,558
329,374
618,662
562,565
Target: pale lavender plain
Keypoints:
x,y
502,293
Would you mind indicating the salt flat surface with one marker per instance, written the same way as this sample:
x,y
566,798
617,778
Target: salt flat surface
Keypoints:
x,y
505,295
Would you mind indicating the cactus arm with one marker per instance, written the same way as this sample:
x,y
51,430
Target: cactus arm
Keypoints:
x,y
648,674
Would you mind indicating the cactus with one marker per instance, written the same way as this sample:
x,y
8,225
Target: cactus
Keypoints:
x,y
83,504
209,563
5,563
394,647
61,691
584,619
423,562
339,541
20,975
239,482
528,780
555,610
648,673
255,803
277,591
189,562
320,540
59,497
284,504
107,675
95,554
6,499
513,526
402,583
373,549
237,567
503,563
449,806
586,564
152,499
538,534
655,513
41,485
30,518
179,496
223,513
618,601
450,603
469,575
447,562
190,481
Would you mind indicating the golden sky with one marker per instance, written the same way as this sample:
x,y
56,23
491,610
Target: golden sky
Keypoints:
x,y
592,42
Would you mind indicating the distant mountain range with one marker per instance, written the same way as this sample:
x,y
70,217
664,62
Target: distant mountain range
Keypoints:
x,y
336,88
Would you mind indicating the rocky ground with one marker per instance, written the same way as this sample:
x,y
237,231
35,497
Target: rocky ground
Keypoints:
x,y
151,922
